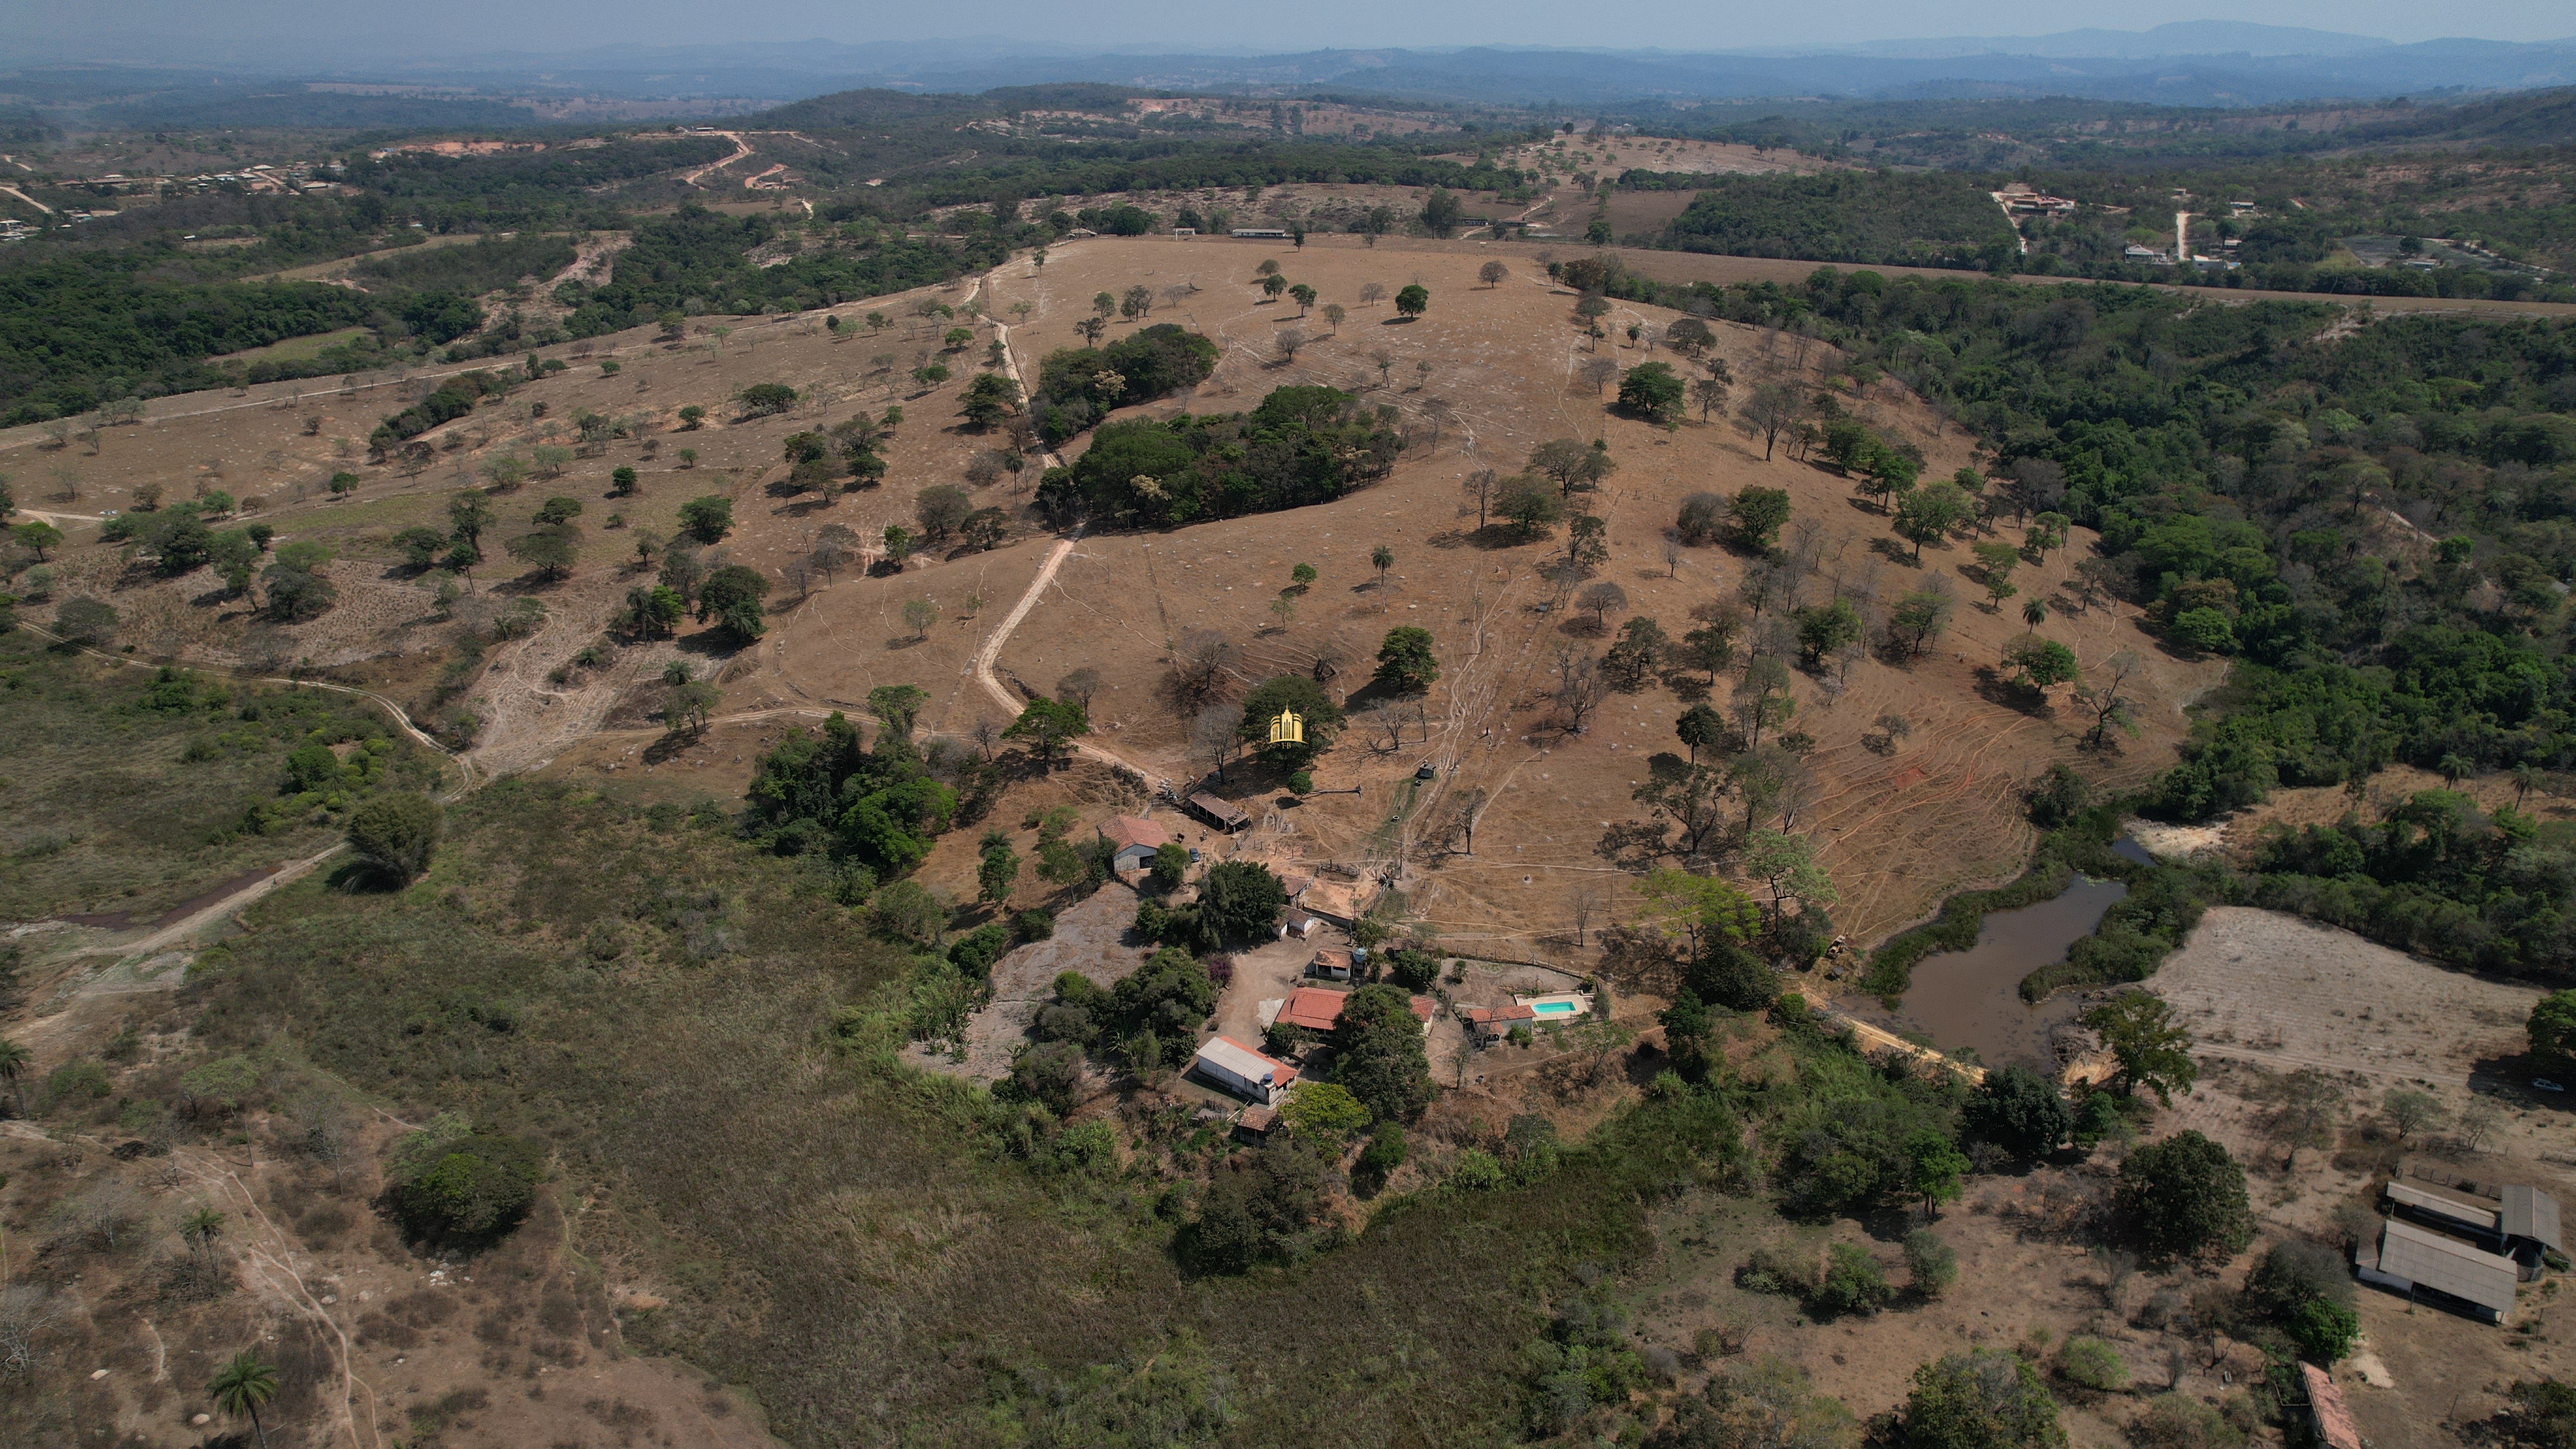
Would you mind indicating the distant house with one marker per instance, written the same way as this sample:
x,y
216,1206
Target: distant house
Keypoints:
x,y
1259,233
1231,1066
1299,924
2423,1264
2326,1410
1185,231
2137,253
1490,1022
1132,841
1331,963
1256,1121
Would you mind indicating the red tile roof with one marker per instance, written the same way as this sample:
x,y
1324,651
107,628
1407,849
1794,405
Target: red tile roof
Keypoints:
x,y
2334,1419
1123,831
1312,1008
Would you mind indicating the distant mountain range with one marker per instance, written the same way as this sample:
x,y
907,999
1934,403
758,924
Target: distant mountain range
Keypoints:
x,y
2196,63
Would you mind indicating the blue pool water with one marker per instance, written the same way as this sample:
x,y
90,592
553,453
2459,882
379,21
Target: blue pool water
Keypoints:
x,y
1553,1008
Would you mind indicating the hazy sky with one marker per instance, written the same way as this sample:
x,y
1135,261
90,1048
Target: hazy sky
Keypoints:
x,y
280,30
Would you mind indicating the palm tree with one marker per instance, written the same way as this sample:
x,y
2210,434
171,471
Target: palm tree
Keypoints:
x,y
201,1228
2034,613
14,1060
2453,767
2525,776
241,1386
1382,558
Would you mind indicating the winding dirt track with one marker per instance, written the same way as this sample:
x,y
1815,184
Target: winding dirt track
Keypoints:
x,y
468,780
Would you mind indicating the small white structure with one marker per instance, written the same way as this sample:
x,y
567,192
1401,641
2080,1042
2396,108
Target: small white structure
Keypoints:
x,y
1259,233
1133,841
1230,1065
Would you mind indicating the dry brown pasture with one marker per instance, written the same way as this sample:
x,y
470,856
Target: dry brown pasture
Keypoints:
x,y
1897,832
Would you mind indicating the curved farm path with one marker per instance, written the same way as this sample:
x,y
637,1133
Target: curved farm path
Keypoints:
x,y
469,779
1001,635
741,148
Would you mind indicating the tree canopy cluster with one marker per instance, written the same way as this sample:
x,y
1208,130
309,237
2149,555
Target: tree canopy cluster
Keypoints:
x,y
1302,445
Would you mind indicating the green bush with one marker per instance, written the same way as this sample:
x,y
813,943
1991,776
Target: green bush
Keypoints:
x,y
220,1086
76,1083
1852,1283
2174,1421
2092,1364
1931,1265
451,1184
1782,1268
1033,925
974,953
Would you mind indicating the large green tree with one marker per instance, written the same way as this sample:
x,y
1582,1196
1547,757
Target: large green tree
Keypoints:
x,y
1378,1053
1289,693
2187,1196
1239,901
396,832
1048,725
1652,391
2150,1048
2552,1029
1980,1399
1405,664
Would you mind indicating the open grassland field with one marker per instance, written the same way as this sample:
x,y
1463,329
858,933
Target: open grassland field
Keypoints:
x,y
128,794
653,1001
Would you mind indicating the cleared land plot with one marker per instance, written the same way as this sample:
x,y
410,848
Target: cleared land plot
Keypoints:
x,y
2284,993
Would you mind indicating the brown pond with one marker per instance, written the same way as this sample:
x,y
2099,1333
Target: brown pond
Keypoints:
x,y
1972,998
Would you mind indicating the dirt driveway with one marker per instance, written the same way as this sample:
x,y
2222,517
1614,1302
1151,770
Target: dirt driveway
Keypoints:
x,y
1090,937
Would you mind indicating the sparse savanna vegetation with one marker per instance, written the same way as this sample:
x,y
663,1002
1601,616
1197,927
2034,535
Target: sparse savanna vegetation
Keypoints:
x,y
1562,705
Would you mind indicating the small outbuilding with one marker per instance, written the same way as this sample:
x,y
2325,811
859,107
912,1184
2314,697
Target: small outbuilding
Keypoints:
x,y
1132,841
1225,815
2530,1223
2327,1412
1332,963
1491,1022
1299,924
1231,1066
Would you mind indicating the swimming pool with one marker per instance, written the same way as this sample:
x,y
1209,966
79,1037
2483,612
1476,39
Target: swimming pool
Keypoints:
x,y
1557,1006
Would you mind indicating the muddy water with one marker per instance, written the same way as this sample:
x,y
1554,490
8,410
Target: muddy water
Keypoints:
x,y
1972,998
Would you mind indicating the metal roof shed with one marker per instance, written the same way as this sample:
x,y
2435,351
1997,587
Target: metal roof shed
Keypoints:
x,y
1241,1070
2531,1213
2411,1257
